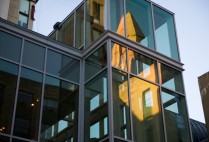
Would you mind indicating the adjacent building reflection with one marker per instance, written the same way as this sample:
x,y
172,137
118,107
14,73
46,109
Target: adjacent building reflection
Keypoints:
x,y
60,111
96,108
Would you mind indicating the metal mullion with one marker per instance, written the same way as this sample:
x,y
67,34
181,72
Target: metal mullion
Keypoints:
x,y
24,139
84,24
129,96
10,61
63,79
122,139
74,34
177,43
95,75
187,111
81,130
161,102
110,98
125,24
154,83
153,26
17,89
31,68
42,95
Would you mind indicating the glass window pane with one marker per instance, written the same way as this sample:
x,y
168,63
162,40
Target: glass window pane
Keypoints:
x,y
4,139
171,78
60,111
23,21
142,66
176,118
33,55
139,22
95,19
146,111
16,140
96,109
8,82
63,66
24,6
117,16
66,32
95,62
121,109
119,56
8,49
29,95
79,27
165,33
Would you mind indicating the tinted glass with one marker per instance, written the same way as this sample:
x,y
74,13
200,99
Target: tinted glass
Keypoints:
x,y
117,16
171,78
95,62
24,6
66,32
10,46
16,140
119,56
165,33
95,19
176,118
96,108
139,22
8,81
28,105
146,111
60,111
121,109
33,55
79,27
142,66
4,139
63,66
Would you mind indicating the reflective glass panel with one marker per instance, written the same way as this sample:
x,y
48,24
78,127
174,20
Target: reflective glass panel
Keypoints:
x,y
33,55
121,109
139,22
28,104
8,49
117,16
119,56
60,111
79,27
146,111
95,19
176,118
23,20
142,66
24,6
4,139
95,62
165,33
66,32
171,78
8,82
96,108
63,66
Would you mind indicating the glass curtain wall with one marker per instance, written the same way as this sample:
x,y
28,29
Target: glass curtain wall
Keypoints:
x,y
95,95
79,31
139,22
165,33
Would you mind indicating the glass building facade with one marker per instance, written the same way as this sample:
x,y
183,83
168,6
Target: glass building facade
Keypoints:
x,y
110,72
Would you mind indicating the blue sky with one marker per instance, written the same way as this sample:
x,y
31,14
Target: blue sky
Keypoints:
x,y
192,23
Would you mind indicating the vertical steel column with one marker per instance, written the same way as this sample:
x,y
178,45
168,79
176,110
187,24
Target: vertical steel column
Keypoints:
x,y
129,96
110,98
16,91
161,102
81,103
42,95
